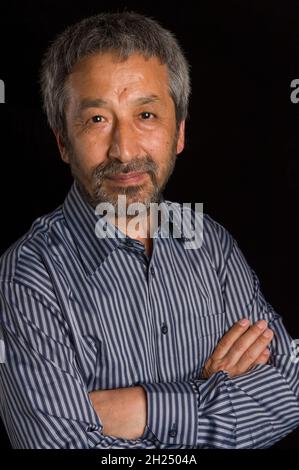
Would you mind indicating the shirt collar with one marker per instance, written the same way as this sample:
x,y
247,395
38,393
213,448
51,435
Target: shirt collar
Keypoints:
x,y
82,219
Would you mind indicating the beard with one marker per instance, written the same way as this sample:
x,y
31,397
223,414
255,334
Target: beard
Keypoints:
x,y
94,189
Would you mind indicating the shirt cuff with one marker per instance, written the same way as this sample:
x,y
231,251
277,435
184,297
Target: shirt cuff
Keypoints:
x,y
172,413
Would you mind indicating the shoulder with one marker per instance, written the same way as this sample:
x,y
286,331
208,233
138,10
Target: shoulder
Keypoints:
x,y
27,253
216,238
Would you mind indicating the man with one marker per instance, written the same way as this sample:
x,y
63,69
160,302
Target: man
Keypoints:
x,y
133,340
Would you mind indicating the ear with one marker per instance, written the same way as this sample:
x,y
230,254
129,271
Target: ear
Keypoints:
x,y
62,147
181,138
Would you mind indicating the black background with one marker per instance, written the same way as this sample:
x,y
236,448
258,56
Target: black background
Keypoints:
x,y
241,154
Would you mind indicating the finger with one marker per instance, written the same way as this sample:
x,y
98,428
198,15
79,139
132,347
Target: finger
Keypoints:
x,y
255,350
263,358
227,340
245,342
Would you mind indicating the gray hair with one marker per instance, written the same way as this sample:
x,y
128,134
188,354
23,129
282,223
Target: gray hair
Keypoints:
x,y
124,33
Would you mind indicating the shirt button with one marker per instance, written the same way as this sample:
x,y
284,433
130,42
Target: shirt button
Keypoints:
x,y
152,271
164,329
172,433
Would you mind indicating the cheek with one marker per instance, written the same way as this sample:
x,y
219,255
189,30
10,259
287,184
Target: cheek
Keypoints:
x,y
89,152
158,145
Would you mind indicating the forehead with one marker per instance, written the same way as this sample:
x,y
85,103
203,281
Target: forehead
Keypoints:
x,y
107,74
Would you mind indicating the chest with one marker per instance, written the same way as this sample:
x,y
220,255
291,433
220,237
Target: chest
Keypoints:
x,y
138,320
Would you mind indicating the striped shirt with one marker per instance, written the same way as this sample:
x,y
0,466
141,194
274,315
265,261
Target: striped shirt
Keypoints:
x,y
81,313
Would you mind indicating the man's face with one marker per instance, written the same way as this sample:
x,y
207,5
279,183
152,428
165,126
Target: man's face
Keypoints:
x,y
121,128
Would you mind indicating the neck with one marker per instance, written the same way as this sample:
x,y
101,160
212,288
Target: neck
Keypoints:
x,y
139,227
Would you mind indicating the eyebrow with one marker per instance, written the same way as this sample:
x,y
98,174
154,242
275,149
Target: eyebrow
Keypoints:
x,y
100,103
147,99
92,103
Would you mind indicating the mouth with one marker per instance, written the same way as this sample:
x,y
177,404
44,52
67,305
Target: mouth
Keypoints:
x,y
128,178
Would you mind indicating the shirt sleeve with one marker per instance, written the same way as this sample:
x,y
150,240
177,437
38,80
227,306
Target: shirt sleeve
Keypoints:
x,y
252,410
44,403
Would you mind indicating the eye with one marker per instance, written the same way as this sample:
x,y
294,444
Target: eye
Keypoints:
x,y
97,118
146,115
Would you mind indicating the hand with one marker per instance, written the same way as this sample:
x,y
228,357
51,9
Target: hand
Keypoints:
x,y
240,349
122,411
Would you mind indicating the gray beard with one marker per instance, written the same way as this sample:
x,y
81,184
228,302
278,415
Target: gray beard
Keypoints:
x,y
97,194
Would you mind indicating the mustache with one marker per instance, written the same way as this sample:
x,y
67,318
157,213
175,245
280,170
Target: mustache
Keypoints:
x,y
142,164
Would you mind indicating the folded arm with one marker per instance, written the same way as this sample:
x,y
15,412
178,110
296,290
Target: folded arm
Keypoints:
x,y
247,395
227,408
45,403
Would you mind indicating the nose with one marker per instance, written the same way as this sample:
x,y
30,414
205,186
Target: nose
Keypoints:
x,y
124,142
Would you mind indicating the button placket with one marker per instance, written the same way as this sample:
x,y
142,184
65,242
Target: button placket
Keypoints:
x,y
173,431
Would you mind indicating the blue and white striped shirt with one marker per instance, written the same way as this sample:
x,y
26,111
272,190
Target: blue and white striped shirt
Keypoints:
x,y
80,313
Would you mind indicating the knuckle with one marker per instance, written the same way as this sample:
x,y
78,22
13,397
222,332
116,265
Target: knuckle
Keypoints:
x,y
223,343
238,347
221,365
266,353
257,331
212,366
267,336
237,371
249,356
